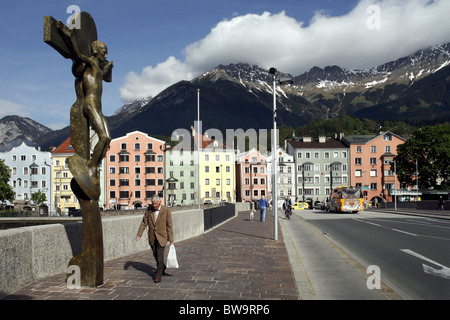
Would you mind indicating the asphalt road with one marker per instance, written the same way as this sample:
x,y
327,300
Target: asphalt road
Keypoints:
x,y
412,253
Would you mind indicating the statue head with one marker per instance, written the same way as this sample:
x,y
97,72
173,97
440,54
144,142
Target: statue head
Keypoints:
x,y
99,50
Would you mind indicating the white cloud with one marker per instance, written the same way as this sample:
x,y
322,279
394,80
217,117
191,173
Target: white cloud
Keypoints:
x,y
351,41
154,80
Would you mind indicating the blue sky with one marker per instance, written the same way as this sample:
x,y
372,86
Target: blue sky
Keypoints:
x,y
157,43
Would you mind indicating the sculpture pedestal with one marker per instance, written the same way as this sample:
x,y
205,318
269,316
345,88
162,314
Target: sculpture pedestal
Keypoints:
x,y
91,259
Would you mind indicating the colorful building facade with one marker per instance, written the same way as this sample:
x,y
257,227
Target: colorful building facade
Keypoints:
x,y
321,165
65,200
285,175
251,176
134,171
217,171
31,172
372,165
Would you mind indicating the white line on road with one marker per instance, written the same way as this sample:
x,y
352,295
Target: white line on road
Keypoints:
x,y
379,225
444,272
411,234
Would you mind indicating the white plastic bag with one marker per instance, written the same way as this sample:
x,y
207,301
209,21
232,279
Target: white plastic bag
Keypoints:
x,y
172,261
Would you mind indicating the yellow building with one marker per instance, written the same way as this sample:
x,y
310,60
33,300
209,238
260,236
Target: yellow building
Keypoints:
x,y
64,199
217,175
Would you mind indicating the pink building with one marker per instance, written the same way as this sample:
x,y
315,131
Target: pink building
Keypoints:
x,y
134,171
251,176
371,165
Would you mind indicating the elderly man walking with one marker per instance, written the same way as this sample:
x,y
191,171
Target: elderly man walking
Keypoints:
x,y
158,219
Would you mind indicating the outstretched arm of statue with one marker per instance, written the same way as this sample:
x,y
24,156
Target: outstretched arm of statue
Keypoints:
x,y
69,33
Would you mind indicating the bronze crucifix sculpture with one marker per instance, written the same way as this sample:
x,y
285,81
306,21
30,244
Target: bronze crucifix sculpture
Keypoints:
x,y
90,68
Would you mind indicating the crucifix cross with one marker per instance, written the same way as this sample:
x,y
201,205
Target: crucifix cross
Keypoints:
x,y
90,68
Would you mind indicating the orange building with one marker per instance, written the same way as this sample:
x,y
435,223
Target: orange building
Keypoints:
x,y
371,165
134,171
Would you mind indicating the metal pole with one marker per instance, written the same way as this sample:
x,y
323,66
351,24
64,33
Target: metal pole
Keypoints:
x,y
417,179
198,147
395,184
274,162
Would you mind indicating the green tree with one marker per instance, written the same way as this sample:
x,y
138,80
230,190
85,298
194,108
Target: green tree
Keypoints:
x,y
6,191
430,147
39,197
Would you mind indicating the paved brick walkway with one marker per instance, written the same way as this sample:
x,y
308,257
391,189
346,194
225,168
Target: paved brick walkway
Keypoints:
x,y
236,261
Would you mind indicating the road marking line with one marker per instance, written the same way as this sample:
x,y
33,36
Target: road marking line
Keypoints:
x,y
411,234
381,226
444,272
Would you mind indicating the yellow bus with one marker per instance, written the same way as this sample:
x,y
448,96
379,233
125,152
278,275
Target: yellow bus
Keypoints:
x,y
347,199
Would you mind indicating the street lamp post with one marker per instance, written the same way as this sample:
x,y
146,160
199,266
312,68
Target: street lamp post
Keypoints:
x,y
273,72
198,148
395,183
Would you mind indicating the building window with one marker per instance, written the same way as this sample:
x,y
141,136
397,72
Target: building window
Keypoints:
x,y
124,182
123,194
124,158
124,170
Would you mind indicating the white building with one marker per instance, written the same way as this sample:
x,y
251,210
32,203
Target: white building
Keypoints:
x,y
31,171
286,176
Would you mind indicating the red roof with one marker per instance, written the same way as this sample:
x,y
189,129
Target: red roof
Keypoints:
x,y
64,148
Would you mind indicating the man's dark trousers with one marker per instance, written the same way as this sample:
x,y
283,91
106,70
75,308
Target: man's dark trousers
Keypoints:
x,y
158,253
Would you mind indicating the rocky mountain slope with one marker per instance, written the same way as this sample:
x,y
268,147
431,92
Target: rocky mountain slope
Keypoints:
x,y
15,130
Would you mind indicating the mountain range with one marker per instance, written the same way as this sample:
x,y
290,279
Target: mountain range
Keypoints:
x,y
414,89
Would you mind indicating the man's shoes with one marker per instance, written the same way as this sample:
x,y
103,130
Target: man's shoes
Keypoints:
x,y
157,280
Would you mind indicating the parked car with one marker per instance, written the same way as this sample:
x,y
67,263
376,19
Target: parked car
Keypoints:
x,y
319,206
300,206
